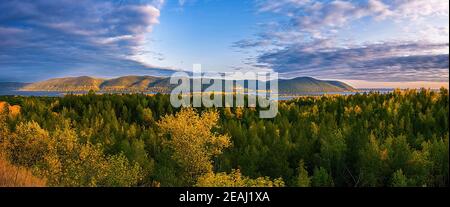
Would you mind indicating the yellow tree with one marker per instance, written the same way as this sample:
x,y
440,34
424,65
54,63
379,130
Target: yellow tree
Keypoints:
x,y
236,179
29,145
190,137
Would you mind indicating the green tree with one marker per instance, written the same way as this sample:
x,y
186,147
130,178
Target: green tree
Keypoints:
x,y
371,163
303,179
399,179
321,178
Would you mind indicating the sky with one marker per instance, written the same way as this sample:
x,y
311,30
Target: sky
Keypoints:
x,y
367,43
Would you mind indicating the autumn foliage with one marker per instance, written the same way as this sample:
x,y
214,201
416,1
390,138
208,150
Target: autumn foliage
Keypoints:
x,y
13,110
13,176
192,141
365,140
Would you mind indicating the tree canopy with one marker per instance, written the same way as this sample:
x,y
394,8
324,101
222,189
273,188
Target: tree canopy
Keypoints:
x,y
367,139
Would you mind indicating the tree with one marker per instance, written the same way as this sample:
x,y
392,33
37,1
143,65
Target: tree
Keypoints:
x,y
121,173
371,163
332,152
321,178
303,179
4,130
399,152
92,168
437,152
235,179
29,145
355,140
193,143
147,115
399,179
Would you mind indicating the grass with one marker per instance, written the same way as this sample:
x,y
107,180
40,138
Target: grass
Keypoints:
x,y
13,176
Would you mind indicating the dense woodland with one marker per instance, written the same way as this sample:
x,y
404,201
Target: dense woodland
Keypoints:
x,y
395,139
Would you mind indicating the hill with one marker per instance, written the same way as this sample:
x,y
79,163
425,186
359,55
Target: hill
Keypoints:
x,y
139,83
162,84
83,83
311,85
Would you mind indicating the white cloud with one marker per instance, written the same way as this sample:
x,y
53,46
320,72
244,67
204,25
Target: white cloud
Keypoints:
x,y
67,34
404,61
312,41
414,9
317,18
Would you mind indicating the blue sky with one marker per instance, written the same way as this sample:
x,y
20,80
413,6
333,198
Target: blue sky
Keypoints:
x,y
367,43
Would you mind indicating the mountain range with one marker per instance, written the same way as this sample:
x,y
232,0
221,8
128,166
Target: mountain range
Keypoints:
x,y
162,85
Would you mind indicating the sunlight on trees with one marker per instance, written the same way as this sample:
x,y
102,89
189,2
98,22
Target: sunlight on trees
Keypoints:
x,y
379,140
236,179
192,141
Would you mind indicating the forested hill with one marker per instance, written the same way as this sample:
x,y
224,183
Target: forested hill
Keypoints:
x,y
162,84
83,83
307,84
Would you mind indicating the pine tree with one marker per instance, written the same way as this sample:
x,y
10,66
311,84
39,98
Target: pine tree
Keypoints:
x,y
399,179
303,179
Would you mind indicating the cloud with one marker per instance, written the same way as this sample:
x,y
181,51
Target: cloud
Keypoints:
x,y
335,14
308,20
46,34
248,43
414,9
183,3
311,15
307,40
378,62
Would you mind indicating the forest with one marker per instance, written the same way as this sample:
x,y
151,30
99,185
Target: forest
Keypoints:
x,y
396,139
